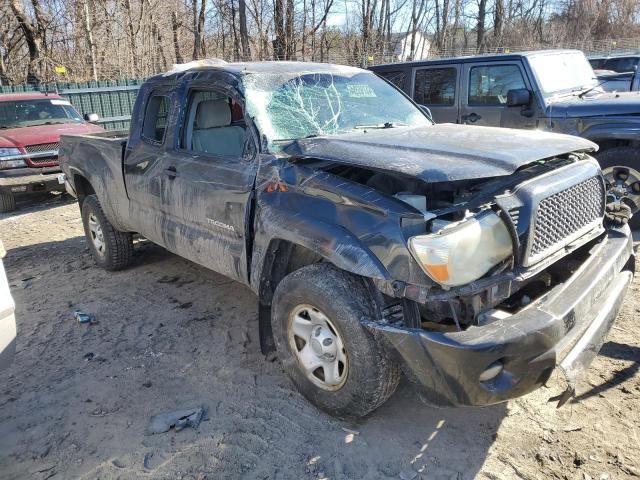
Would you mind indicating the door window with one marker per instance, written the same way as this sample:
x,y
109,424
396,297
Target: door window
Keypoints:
x,y
488,85
215,125
435,86
397,78
155,118
622,64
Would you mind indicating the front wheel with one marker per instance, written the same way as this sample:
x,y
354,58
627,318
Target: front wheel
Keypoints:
x,y
620,167
110,248
332,359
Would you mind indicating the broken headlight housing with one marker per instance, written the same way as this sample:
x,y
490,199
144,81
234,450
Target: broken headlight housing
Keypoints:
x,y
465,251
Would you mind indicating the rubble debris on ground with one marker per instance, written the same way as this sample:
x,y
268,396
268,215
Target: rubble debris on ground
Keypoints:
x,y
82,317
178,419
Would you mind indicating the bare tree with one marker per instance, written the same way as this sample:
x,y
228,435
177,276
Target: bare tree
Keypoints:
x,y
91,47
480,26
199,50
33,37
279,42
244,32
175,29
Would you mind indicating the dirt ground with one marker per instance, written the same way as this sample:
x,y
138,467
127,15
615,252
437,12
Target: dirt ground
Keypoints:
x,y
78,397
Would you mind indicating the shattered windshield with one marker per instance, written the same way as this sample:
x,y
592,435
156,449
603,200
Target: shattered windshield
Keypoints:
x,y
292,106
562,72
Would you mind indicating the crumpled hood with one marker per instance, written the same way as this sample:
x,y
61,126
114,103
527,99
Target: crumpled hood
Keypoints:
x,y
442,152
605,104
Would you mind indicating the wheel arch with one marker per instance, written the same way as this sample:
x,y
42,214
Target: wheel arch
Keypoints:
x,y
609,136
283,256
83,187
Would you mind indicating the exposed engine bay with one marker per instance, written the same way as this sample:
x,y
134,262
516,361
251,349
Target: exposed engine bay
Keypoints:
x,y
508,287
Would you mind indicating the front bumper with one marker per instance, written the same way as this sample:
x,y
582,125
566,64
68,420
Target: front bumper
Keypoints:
x,y
565,328
31,180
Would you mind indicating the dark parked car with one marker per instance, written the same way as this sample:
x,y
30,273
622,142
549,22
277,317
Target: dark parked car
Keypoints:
x,y
551,90
618,63
475,259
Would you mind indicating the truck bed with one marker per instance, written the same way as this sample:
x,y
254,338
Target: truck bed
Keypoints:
x,y
97,160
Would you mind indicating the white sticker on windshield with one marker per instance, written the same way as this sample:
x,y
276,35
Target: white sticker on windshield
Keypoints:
x,y
360,90
56,101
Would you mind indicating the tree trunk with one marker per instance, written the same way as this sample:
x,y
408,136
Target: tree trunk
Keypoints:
x,y
244,33
132,38
89,37
176,36
199,50
279,52
289,32
480,29
234,31
33,40
498,21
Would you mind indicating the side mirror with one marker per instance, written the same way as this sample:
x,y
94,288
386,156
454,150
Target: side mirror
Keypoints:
x,y
91,117
427,112
518,96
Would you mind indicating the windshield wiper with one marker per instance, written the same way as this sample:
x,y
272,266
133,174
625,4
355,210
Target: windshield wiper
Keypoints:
x,y
11,126
590,89
380,125
282,140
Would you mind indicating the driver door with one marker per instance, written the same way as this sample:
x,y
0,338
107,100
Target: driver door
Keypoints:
x,y
484,100
209,184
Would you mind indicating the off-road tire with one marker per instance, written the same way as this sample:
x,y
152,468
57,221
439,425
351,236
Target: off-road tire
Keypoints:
x,y
372,376
624,156
7,202
118,246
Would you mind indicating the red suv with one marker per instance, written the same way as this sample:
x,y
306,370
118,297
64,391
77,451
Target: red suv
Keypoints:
x,y
30,129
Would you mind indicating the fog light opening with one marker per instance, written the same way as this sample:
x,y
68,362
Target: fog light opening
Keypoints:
x,y
492,371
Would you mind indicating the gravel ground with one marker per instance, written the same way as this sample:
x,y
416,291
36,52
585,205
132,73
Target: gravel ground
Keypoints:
x,y
169,334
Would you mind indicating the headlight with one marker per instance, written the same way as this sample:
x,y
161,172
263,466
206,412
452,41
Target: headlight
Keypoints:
x,y
464,252
8,152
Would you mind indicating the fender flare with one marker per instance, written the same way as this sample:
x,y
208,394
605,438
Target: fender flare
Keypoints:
x,y
269,263
612,131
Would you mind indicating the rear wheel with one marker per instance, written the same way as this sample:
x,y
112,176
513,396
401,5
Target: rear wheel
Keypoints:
x,y
7,202
620,167
332,359
110,248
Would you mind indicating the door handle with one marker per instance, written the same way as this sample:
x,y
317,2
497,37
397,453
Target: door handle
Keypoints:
x,y
472,117
171,172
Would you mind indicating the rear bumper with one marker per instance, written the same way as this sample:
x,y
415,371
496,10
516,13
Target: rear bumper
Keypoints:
x,y
565,328
31,180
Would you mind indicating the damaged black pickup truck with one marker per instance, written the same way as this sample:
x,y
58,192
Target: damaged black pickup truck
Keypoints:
x,y
474,259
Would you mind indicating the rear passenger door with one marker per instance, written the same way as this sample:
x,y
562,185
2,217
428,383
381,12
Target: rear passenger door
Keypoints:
x,y
143,163
437,88
209,183
484,99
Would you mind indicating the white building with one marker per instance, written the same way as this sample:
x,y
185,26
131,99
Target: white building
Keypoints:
x,y
400,47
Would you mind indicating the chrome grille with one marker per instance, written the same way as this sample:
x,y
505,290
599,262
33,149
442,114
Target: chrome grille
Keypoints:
x,y
566,215
43,147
